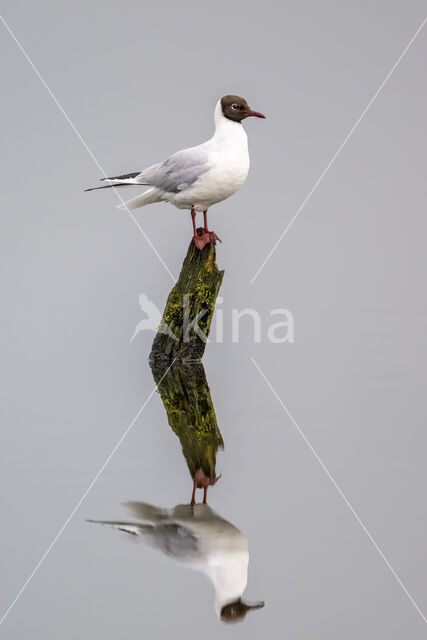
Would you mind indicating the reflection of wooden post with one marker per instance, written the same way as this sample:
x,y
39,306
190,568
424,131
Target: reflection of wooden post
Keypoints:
x,y
191,302
188,403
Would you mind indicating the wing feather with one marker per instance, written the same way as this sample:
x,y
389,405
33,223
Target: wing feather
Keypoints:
x,y
178,172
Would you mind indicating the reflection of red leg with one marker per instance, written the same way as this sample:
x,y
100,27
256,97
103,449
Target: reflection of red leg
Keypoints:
x,y
202,481
193,496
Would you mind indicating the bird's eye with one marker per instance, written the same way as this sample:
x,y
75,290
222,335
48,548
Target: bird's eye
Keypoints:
x,y
234,106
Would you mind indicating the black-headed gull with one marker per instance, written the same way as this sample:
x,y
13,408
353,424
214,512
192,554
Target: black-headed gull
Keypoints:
x,y
197,538
198,177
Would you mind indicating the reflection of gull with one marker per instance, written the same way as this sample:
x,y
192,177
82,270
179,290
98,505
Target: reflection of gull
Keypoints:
x,y
199,539
153,318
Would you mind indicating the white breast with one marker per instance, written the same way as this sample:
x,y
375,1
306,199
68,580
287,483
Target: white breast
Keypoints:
x,y
229,158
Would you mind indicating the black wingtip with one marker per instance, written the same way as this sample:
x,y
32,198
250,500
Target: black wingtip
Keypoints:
x,y
123,176
105,186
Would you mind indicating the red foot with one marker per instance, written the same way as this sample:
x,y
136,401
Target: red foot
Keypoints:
x,y
213,235
206,238
201,241
202,481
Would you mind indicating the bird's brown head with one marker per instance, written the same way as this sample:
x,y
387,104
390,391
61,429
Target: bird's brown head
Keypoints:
x,y
236,611
237,109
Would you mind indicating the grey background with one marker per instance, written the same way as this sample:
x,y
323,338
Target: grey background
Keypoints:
x,y
140,80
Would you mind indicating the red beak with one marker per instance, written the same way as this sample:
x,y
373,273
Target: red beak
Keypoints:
x,y
256,114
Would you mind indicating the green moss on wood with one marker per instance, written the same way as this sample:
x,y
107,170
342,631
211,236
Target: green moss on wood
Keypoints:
x,y
186,397
194,295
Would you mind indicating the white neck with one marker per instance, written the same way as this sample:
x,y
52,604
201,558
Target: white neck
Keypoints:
x,y
226,128
229,581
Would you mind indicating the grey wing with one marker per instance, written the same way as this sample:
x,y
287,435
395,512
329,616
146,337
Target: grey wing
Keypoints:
x,y
172,539
178,172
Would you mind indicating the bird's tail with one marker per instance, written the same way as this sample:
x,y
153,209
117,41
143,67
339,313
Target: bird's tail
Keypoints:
x,y
129,527
130,180
145,512
150,196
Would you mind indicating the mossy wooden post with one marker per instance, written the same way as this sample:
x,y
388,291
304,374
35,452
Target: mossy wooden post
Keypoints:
x,y
189,309
185,394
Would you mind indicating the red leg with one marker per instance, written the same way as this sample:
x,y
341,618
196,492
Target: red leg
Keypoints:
x,y
199,241
205,493
193,218
212,234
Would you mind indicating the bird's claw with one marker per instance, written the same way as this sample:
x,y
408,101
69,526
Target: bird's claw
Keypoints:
x,y
206,238
213,236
